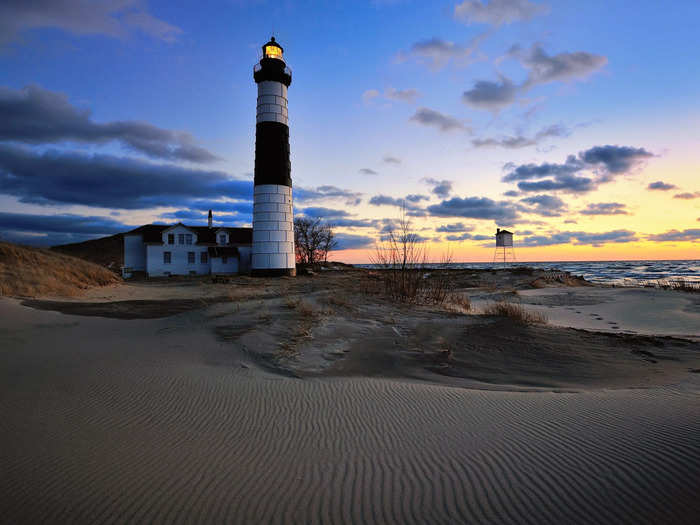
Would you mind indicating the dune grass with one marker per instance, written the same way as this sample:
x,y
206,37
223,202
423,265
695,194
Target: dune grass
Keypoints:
x,y
514,312
34,272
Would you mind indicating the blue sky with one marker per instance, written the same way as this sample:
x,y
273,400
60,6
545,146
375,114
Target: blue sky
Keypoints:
x,y
458,93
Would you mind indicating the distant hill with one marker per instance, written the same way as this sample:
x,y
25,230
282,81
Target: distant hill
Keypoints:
x,y
35,272
105,251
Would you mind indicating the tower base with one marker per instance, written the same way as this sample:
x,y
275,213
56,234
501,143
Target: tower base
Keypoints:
x,y
274,272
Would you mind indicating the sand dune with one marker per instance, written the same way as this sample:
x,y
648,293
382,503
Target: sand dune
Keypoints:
x,y
108,420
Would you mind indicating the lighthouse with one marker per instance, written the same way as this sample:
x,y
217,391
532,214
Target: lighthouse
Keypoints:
x,y
273,220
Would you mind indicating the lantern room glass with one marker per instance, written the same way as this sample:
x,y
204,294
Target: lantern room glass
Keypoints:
x,y
273,52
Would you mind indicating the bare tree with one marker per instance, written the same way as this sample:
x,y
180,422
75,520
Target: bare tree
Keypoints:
x,y
313,240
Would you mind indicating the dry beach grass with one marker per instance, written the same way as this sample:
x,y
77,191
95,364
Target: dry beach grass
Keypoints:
x,y
33,272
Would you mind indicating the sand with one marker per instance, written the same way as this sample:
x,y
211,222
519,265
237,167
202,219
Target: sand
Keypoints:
x,y
629,310
361,418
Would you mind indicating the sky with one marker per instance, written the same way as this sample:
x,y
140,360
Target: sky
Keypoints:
x,y
572,124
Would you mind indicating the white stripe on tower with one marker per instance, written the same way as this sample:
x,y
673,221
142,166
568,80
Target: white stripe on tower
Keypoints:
x,y
272,102
273,228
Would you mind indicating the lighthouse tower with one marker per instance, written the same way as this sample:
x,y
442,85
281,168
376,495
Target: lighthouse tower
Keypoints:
x,y
273,222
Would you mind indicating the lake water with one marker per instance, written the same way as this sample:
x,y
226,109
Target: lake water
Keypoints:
x,y
619,273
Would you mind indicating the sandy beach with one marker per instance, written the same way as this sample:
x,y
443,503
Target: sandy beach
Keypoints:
x,y
367,413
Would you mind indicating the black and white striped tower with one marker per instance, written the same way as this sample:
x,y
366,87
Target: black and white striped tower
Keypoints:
x,y
273,220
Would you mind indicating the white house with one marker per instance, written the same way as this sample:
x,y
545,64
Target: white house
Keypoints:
x,y
161,250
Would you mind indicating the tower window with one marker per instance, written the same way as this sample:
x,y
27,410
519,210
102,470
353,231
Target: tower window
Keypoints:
x,y
171,238
188,238
181,238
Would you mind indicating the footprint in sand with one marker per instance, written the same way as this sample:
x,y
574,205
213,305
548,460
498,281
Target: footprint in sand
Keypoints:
x,y
615,327
578,311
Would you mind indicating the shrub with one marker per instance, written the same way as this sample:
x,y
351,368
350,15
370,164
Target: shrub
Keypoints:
x,y
402,261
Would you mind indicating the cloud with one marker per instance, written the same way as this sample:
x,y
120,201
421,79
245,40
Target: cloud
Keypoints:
x,y
34,115
461,237
353,223
348,241
402,95
61,223
368,171
614,159
324,213
430,117
605,208
184,215
661,186
456,227
491,96
437,53
687,195
543,68
351,198
369,95
497,12
475,208
565,183
511,193
580,238
441,188
107,181
545,205
605,161
392,94
411,208
391,160
692,235
520,141
114,18
417,198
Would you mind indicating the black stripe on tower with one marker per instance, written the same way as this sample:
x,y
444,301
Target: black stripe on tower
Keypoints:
x,y
272,164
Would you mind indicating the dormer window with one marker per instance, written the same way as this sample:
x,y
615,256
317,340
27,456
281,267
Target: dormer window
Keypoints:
x,y
222,238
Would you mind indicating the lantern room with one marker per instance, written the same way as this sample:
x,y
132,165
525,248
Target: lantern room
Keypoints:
x,y
273,50
272,65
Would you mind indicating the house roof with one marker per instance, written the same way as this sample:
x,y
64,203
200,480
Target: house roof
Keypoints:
x,y
153,233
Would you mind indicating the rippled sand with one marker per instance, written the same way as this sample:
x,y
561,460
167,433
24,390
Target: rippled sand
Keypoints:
x,y
106,420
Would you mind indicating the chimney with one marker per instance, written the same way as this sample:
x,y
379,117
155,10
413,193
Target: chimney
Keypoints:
x,y
498,230
210,218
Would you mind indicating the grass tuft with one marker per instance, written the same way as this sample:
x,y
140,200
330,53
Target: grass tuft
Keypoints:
x,y
515,313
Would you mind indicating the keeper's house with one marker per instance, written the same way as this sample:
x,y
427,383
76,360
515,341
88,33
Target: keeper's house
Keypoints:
x,y
162,250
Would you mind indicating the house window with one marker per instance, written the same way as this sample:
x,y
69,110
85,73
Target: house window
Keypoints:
x,y
181,238
224,260
190,257
222,238
188,238
167,257
171,238
204,258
